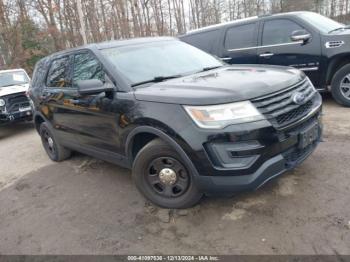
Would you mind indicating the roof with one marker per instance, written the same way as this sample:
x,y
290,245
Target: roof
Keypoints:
x,y
12,70
238,21
133,41
115,43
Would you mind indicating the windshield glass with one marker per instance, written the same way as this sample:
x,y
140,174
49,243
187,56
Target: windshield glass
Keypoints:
x,y
145,62
13,78
322,23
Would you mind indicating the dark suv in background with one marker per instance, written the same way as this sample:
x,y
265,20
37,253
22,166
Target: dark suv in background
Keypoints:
x,y
308,41
186,123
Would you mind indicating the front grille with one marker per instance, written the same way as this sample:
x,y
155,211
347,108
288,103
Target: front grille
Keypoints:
x,y
295,155
15,101
281,110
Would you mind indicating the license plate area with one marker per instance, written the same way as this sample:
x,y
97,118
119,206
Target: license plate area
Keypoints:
x,y
25,108
309,135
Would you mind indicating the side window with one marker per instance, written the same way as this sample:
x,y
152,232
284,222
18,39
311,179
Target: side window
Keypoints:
x,y
86,67
240,36
205,41
279,31
59,73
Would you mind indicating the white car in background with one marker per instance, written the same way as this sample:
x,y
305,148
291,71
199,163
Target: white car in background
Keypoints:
x,y
14,103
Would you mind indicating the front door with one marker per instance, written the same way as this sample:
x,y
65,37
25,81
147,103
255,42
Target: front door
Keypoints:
x,y
277,48
95,118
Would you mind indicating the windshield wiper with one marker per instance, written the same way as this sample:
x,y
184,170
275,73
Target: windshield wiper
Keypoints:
x,y
340,28
156,80
210,68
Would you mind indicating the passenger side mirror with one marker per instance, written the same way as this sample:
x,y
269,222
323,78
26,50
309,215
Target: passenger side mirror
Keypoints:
x,y
92,87
300,35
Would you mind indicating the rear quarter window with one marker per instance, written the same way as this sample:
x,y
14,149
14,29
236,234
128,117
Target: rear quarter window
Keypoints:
x,y
39,74
204,40
241,36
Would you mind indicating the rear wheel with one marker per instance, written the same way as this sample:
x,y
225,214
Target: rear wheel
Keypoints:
x,y
341,86
54,150
161,176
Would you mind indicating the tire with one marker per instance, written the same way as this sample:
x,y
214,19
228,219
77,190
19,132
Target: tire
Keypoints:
x,y
54,150
340,81
153,173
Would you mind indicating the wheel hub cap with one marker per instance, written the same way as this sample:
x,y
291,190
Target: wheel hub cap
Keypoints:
x,y
345,87
167,176
50,142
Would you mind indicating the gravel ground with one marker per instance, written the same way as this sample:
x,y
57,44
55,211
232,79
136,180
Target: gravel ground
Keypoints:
x,y
87,206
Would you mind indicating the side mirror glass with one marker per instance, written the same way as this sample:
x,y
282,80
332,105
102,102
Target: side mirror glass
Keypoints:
x,y
300,35
92,87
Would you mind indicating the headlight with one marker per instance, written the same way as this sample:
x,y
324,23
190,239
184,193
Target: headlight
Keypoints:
x,y
220,116
2,102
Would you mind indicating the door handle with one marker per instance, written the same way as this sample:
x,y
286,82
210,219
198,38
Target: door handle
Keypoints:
x,y
267,54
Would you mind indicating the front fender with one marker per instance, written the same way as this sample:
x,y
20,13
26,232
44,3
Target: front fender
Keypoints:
x,y
162,135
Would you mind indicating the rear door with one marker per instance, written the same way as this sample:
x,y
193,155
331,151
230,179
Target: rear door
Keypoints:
x,y
240,44
277,48
57,90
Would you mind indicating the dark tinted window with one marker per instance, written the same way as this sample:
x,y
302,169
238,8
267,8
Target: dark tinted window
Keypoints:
x,y
59,73
39,74
205,40
279,31
86,67
240,37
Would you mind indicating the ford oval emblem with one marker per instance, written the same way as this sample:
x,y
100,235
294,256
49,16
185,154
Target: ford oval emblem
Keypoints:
x,y
298,98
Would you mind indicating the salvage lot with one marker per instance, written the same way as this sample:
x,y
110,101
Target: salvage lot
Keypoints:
x,y
87,206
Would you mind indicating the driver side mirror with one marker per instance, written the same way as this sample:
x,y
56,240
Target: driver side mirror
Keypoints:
x,y
300,35
93,87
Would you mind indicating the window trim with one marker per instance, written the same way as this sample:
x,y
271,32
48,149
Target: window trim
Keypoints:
x,y
255,32
264,46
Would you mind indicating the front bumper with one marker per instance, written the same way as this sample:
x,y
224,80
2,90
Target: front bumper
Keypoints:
x,y
246,160
269,170
18,116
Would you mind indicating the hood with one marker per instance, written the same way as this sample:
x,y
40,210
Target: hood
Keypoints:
x,y
223,85
8,90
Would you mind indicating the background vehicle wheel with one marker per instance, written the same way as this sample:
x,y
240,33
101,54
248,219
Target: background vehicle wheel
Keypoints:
x,y
55,151
341,86
162,177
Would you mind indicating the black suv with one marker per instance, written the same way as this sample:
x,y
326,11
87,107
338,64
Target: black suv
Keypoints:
x,y
308,41
185,122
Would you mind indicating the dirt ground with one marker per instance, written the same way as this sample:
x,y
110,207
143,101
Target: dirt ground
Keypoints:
x,y
86,206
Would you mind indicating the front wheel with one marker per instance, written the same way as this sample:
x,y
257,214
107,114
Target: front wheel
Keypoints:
x,y
341,86
162,177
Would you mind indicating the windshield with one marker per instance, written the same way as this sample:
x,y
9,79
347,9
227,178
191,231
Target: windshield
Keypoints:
x,y
158,60
322,23
13,78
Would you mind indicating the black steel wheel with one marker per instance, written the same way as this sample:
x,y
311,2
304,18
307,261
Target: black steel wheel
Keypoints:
x,y
54,150
168,177
162,176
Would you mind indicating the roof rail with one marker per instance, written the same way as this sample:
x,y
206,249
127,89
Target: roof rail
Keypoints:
x,y
264,15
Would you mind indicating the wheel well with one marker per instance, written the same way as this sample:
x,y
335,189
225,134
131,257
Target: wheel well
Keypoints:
x,y
336,65
139,141
37,121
